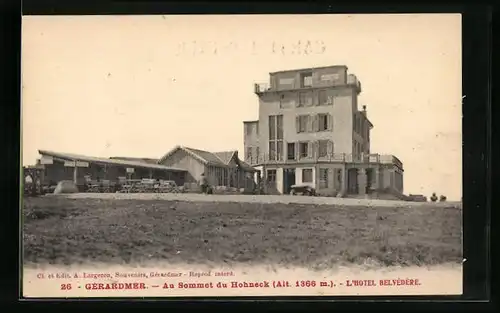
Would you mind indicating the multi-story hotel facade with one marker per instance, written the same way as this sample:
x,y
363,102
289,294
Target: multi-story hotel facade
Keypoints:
x,y
311,131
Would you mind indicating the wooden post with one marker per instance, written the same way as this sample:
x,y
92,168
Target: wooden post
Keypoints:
x,y
150,173
75,173
264,177
238,174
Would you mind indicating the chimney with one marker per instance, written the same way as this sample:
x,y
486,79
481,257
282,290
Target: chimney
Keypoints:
x,y
364,110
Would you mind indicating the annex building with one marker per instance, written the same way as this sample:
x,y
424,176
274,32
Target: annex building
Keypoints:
x,y
183,165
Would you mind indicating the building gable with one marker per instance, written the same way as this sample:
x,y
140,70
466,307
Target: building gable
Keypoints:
x,y
179,156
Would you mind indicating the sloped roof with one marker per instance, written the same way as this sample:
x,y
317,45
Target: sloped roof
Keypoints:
x,y
84,158
225,156
247,166
209,157
145,160
222,159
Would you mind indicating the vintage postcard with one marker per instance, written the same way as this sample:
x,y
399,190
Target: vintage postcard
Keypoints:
x,y
241,155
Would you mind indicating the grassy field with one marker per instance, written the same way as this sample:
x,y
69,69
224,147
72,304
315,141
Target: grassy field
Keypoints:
x,y
78,231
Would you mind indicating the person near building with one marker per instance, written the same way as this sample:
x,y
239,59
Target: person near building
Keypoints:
x,y
203,183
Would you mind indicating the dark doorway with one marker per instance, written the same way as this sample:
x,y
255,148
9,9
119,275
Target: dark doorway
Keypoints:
x,y
352,181
288,179
370,173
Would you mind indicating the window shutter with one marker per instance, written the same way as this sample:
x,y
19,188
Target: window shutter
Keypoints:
x,y
315,125
310,149
297,124
309,99
316,149
330,148
310,123
330,122
297,151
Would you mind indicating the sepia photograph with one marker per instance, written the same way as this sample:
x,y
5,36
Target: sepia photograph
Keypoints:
x,y
241,155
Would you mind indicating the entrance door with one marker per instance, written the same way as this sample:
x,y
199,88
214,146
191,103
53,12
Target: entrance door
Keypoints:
x,y
352,181
369,179
288,179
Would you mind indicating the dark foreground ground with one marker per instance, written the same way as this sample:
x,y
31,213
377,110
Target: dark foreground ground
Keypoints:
x,y
76,231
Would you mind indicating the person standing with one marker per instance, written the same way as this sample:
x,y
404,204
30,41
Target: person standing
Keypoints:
x,y
203,183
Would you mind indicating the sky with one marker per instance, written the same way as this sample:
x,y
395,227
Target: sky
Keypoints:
x,y
139,85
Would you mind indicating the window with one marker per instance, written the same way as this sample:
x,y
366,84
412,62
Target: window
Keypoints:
x,y
271,175
282,101
279,150
323,148
272,150
279,126
302,99
224,176
322,98
249,153
302,121
221,176
305,99
272,127
323,178
275,137
303,150
306,80
291,151
323,122
307,175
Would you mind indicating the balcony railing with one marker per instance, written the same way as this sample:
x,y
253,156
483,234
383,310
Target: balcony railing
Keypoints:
x,y
351,80
262,87
334,157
